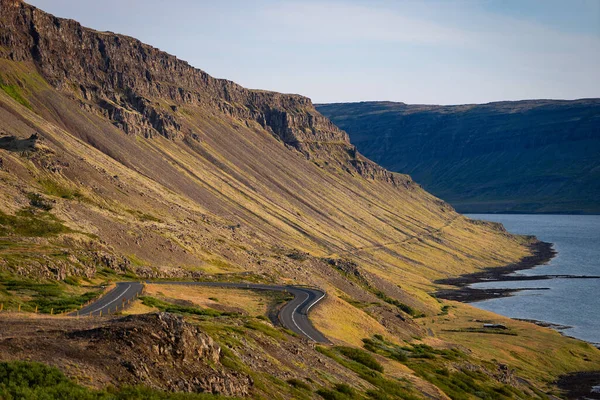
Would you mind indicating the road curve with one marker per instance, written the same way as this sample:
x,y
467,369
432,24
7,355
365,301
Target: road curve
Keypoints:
x,y
293,315
112,300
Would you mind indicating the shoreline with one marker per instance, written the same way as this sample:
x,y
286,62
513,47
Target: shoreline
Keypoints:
x,y
528,213
542,253
557,327
580,385
575,385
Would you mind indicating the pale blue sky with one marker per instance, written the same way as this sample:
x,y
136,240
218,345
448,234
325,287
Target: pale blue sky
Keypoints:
x,y
442,52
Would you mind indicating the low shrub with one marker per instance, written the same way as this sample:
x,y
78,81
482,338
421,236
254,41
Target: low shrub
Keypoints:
x,y
329,394
404,307
345,389
37,201
30,380
46,296
298,384
30,223
361,356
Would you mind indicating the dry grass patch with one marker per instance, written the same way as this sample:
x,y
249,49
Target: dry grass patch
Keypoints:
x,y
138,308
341,321
537,353
250,302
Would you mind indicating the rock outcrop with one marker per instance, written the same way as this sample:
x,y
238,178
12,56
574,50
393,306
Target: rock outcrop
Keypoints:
x,y
140,88
13,143
165,352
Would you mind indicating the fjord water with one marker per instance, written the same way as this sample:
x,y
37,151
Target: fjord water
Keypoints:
x,y
568,301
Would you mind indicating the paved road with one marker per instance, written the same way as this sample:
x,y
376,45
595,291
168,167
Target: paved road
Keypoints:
x,y
293,315
112,300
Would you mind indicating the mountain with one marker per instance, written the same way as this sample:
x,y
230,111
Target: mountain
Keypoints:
x,y
540,156
120,162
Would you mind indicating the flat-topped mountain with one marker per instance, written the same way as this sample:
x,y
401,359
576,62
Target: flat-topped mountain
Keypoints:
x,y
522,156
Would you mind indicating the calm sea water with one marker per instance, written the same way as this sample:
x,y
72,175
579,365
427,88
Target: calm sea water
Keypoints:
x,y
570,302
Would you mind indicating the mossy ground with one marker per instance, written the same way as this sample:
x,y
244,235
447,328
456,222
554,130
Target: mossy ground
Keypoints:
x,y
44,296
536,353
30,380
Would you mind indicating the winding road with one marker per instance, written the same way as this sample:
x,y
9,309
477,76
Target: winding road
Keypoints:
x,y
293,315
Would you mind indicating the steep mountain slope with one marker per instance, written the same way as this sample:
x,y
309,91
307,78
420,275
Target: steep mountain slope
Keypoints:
x,y
127,163
525,156
153,155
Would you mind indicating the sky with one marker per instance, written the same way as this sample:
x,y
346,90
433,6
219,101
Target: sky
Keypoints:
x,y
414,51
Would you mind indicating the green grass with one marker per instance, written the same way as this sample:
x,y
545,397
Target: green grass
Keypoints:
x,y
46,296
14,92
361,357
483,330
54,188
31,223
266,329
380,294
35,381
393,351
181,309
358,304
464,384
386,388
143,216
72,280
135,260
464,380
404,307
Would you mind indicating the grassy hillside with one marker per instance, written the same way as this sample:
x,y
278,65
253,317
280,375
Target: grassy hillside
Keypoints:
x,y
127,163
527,156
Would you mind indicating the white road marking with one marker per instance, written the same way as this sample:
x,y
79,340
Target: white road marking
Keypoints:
x,y
108,304
294,320
249,286
318,300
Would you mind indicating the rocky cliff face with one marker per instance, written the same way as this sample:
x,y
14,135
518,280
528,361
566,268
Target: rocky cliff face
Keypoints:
x,y
140,88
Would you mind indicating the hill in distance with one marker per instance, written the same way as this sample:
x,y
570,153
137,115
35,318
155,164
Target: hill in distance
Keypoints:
x,y
533,156
120,162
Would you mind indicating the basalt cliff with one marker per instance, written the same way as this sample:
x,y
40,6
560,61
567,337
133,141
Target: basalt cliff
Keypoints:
x,y
140,88
121,162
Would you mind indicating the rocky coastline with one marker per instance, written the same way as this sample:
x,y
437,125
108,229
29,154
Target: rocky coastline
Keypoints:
x,y
542,253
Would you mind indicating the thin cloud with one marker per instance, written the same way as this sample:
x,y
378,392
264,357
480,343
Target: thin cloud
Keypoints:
x,y
442,51
331,22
